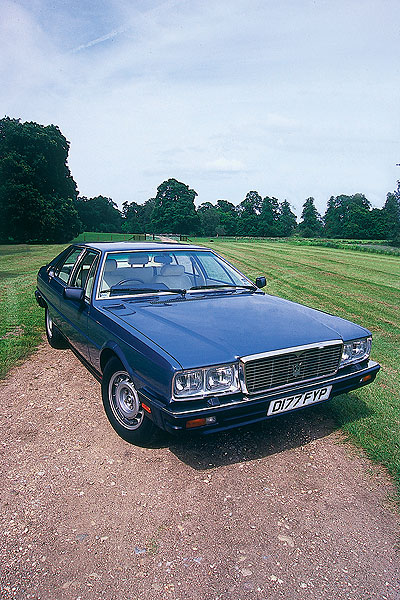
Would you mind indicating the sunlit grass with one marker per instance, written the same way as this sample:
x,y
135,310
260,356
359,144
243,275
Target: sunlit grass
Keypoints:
x,y
362,287
21,319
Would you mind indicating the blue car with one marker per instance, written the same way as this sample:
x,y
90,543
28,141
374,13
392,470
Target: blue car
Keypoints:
x,y
182,341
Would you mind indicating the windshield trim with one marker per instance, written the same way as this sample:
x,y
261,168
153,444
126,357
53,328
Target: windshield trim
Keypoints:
x,y
167,292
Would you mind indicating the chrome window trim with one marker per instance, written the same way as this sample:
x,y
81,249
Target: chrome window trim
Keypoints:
x,y
94,267
79,260
292,350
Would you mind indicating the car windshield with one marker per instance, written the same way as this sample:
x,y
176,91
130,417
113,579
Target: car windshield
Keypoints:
x,y
177,271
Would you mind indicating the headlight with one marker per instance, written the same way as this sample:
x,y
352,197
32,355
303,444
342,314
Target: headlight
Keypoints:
x,y
220,378
355,351
189,383
202,382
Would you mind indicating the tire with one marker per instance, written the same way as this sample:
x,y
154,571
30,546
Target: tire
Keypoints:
x,y
123,408
54,336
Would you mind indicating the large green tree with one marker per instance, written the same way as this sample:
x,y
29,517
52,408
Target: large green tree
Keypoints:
x,y
134,217
148,208
391,216
174,210
348,217
37,191
228,217
249,210
377,225
287,219
99,214
311,222
269,218
209,219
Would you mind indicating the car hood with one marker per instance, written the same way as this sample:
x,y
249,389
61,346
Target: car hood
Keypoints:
x,y
217,328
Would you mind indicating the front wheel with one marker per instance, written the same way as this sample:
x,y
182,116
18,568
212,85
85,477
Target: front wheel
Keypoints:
x,y
54,336
123,407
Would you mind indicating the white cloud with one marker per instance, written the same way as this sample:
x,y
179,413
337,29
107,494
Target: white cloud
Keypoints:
x,y
226,96
28,58
109,36
225,165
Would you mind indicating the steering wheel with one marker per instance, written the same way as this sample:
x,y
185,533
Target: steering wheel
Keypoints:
x,y
126,281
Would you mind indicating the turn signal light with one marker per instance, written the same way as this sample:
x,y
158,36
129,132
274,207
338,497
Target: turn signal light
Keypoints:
x,y
366,378
146,408
195,423
200,422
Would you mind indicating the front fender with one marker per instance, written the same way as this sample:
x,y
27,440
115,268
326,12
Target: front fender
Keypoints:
x,y
151,375
111,349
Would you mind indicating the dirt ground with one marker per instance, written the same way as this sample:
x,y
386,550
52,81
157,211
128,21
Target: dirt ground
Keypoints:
x,y
285,509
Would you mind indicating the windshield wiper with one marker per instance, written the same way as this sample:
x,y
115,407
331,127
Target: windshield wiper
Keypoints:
x,y
225,285
116,291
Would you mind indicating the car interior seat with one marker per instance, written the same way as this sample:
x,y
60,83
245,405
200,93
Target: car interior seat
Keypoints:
x,y
173,276
110,272
143,273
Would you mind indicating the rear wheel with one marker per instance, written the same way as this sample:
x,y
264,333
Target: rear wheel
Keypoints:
x,y
123,407
54,336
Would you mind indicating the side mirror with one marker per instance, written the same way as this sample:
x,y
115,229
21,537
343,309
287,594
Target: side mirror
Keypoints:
x,y
73,293
261,282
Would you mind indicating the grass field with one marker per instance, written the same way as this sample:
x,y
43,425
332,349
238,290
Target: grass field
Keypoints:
x,y
21,319
359,286
371,246
362,287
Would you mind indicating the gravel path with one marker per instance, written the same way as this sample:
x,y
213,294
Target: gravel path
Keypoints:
x,y
281,510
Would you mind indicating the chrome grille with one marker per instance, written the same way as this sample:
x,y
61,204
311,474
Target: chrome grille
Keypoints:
x,y
281,369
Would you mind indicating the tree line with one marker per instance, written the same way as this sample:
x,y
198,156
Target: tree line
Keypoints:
x,y
39,201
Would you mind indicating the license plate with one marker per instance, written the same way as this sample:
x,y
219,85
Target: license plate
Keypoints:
x,y
298,400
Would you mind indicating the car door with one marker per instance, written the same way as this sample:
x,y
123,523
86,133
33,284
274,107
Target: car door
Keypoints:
x,y
92,314
56,279
74,312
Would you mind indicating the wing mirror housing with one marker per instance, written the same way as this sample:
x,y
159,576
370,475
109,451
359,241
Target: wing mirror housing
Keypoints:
x,y
73,293
261,282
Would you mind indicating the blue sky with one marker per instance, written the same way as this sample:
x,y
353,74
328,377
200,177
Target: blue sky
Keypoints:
x,y
293,99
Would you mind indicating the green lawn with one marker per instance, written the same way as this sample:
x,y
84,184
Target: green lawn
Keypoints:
x,y
359,286
362,287
21,319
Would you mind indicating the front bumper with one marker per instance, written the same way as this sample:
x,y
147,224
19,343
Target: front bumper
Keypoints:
x,y
240,409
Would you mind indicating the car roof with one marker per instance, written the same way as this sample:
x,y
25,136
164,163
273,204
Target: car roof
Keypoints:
x,y
143,246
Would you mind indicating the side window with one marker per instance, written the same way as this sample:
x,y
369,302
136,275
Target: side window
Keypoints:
x,y
63,270
82,271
